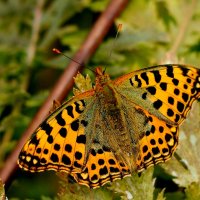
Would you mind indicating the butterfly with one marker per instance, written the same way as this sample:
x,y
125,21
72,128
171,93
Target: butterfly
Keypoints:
x,y
117,127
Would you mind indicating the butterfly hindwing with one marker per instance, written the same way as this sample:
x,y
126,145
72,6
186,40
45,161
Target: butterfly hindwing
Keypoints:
x,y
102,166
158,143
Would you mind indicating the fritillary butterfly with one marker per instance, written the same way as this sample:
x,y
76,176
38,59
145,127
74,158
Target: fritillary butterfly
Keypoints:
x,y
117,127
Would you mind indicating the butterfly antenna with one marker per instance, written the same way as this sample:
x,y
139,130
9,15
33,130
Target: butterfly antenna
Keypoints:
x,y
119,28
60,52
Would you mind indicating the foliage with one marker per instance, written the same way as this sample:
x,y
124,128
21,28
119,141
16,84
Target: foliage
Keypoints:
x,y
2,192
152,34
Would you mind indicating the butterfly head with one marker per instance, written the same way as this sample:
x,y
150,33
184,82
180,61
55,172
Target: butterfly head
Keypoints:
x,y
101,77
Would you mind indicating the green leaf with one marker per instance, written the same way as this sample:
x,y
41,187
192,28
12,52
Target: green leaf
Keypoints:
x,y
2,191
164,13
193,191
161,195
135,187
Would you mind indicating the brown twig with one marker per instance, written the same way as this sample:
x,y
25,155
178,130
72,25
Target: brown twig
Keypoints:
x,y
65,82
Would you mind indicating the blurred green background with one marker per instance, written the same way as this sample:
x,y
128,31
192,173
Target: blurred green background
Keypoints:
x,y
154,32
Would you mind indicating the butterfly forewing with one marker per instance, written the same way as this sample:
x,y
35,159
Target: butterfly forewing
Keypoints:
x,y
167,91
59,142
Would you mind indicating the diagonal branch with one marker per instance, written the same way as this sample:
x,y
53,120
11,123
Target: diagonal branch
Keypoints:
x,y
65,82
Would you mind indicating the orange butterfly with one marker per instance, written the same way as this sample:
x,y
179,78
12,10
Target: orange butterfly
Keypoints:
x,y
117,127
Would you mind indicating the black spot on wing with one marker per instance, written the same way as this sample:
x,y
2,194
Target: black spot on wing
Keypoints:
x,y
145,77
45,151
54,157
161,129
153,142
114,169
163,86
157,76
175,81
60,119
157,104
93,152
103,171
84,123
145,148
151,90
105,148
131,82
185,86
77,108
193,90
76,164
34,140
68,148
93,166
57,147
63,132
100,151
138,81
180,106
46,127
66,160
43,160
38,150
177,118
170,112
144,95
147,133
81,139
168,137
160,141
111,161
101,162
170,71
147,157
155,150
185,71
153,129
94,177
171,100
185,97
75,125
83,102
50,139
188,80
78,155
176,91
69,111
